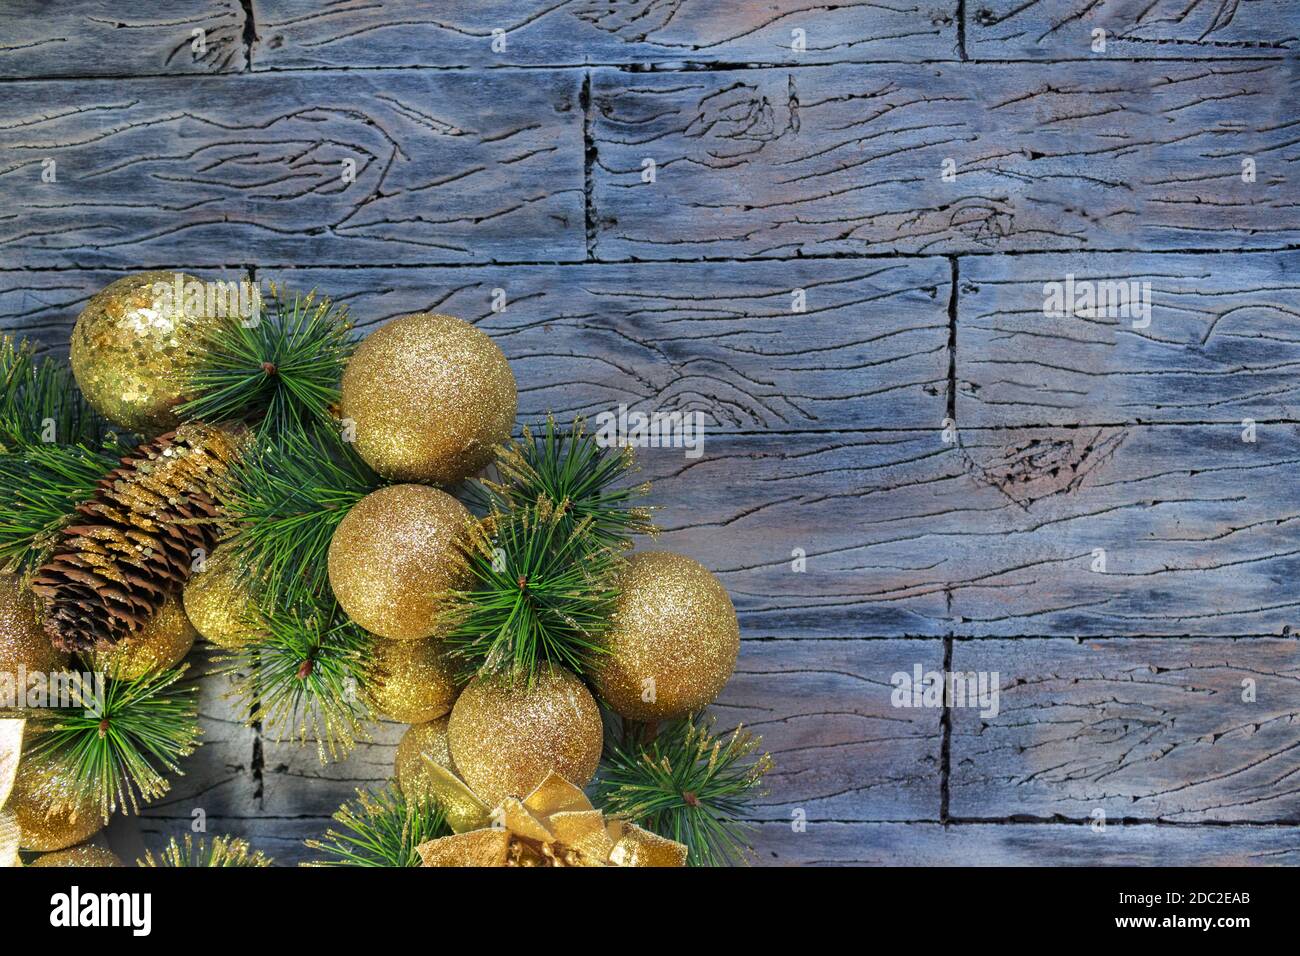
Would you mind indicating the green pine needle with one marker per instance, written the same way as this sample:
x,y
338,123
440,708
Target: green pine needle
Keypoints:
x,y
381,829
40,403
288,495
690,786
116,747
303,676
282,370
221,851
541,594
568,464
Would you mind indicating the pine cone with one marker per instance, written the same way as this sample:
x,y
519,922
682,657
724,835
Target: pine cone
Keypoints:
x,y
111,573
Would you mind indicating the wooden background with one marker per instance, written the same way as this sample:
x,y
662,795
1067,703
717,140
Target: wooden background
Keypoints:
x,y
779,169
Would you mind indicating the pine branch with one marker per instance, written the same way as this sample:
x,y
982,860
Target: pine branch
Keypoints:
x,y
381,829
282,370
114,747
688,785
541,594
287,497
302,677
221,851
568,465
40,403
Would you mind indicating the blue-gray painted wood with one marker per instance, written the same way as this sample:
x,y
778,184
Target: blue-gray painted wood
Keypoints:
x,y
304,34
1221,342
116,38
851,161
1182,731
1066,29
243,169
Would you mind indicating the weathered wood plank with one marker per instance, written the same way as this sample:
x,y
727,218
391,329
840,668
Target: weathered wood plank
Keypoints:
x,y
852,160
98,37
1064,29
833,843
303,34
870,349
1221,341
1178,730
385,167
842,752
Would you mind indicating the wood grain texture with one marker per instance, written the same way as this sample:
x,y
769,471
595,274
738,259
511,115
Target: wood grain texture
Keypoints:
x,y
870,349
303,34
1222,344
1063,29
111,38
824,720
850,161
1138,729
251,169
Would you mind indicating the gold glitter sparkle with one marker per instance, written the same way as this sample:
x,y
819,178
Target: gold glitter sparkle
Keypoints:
x,y
393,558
131,351
413,680
411,768
85,855
506,737
431,397
22,642
48,824
219,603
674,625
162,642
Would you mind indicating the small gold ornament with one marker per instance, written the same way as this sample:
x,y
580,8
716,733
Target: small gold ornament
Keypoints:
x,y
394,557
412,681
428,738
672,640
506,737
133,345
163,642
219,601
49,816
431,397
85,855
22,641
555,825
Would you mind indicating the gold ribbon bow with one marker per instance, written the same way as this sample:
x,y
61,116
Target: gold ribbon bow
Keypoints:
x,y
555,825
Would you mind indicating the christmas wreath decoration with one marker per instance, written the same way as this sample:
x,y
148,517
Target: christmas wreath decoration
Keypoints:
x,y
359,532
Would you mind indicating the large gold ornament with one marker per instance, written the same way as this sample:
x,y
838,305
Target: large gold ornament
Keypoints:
x,y
672,640
219,601
506,736
85,855
410,767
134,344
431,397
23,644
163,642
47,822
394,557
412,681
555,825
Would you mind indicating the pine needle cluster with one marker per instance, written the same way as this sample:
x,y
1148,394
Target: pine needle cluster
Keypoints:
x,y
280,369
383,828
688,785
220,851
116,746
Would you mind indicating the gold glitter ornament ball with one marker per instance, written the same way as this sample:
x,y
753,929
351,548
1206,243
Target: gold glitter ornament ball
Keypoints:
x,y
44,827
133,345
219,602
393,558
672,640
412,681
431,397
80,856
506,737
410,766
22,642
163,642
